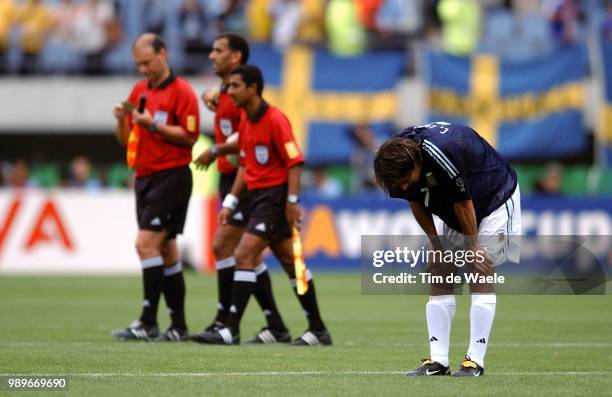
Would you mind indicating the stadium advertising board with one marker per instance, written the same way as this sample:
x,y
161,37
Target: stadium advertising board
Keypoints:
x,y
77,232
68,231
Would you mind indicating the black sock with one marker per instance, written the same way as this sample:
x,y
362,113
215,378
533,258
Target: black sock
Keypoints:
x,y
225,282
311,307
244,284
174,294
153,280
265,298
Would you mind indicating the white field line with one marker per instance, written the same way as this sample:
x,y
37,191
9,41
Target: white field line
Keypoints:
x,y
288,373
493,345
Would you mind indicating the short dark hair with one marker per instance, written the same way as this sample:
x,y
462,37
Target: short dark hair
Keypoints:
x,y
250,75
158,44
236,43
394,161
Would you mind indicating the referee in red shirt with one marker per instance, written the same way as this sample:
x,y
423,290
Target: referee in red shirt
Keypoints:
x,y
270,167
158,142
229,51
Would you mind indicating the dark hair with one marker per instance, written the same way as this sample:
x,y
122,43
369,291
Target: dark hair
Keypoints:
x,y
236,43
250,75
395,160
158,44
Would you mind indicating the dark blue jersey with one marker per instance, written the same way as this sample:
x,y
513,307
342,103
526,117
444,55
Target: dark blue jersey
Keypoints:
x,y
458,165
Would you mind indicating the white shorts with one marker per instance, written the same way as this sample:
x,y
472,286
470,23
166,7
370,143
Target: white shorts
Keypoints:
x,y
499,233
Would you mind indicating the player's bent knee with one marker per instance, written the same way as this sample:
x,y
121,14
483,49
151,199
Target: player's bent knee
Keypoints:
x,y
221,249
147,249
216,247
225,241
245,259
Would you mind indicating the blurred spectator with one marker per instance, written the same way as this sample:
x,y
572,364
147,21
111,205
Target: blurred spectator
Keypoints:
x,y
154,16
62,44
460,26
287,15
324,185
312,28
96,31
362,157
65,14
606,26
19,175
345,33
432,23
36,22
195,42
367,10
402,16
81,175
564,20
517,32
550,182
233,16
397,21
7,18
259,20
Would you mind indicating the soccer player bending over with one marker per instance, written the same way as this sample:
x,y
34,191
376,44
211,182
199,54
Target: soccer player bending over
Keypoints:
x,y
450,171
270,167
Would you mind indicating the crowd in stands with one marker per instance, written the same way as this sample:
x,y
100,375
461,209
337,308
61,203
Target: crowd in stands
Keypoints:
x,y
78,173
322,182
94,36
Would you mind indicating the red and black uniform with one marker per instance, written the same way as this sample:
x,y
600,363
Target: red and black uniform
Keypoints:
x,y
227,120
163,179
267,151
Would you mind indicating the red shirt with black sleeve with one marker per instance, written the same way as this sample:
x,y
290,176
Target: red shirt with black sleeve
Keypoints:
x,y
173,102
267,148
227,119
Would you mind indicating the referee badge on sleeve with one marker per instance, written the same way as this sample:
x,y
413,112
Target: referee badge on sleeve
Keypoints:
x,y
292,150
161,117
225,125
261,154
191,123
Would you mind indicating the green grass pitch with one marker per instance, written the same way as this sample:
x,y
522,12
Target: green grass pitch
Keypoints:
x,y
556,345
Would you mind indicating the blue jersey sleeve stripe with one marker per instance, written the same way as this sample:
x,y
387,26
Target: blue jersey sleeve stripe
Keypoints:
x,y
440,162
442,155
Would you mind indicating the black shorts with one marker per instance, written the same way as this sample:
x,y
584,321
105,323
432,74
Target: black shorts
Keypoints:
x,y
239,215
162,199
267,217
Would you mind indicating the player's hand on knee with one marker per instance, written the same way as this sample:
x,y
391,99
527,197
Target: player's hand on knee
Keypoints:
x,y
439,268
482,263
224,215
